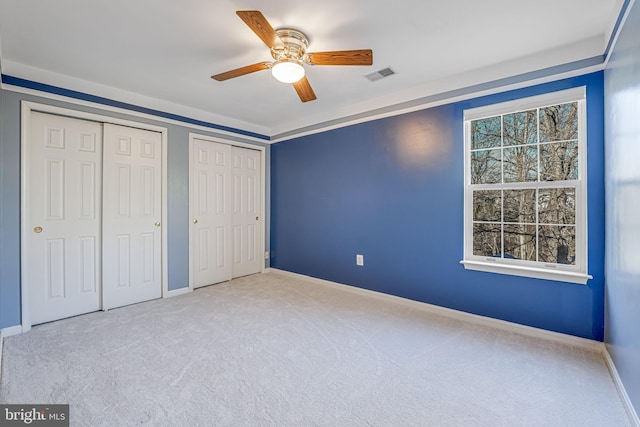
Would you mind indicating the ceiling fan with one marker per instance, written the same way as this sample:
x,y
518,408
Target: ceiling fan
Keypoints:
x,y
289,51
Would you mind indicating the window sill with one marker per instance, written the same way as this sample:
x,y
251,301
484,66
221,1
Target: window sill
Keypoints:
x,y
536,273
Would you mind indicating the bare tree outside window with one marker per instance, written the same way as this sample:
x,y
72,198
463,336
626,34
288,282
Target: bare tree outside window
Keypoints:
x,y
519,210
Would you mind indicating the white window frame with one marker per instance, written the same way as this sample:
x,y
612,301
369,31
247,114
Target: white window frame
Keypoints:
x,y
565,273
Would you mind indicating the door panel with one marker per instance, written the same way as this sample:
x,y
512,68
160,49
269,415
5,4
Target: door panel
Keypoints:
x,y
246,211
210,201
62,210
132,214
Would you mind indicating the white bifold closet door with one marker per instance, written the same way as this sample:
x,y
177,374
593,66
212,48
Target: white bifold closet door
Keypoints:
x,y
92,211
63,214
245,173
211,211
225,208
131,220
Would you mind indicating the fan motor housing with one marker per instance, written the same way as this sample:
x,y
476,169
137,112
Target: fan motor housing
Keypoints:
x,y
295,45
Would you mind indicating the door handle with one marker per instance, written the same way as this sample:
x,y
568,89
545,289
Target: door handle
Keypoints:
x,y
257,218
195,221
157,224
37,229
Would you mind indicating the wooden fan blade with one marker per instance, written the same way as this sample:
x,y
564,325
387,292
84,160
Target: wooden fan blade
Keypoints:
x,y
305,92
342,57
259,24
241,71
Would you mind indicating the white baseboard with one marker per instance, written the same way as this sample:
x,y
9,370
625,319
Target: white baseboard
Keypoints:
x,y
179,291
490,322
458,315
633,415
12,330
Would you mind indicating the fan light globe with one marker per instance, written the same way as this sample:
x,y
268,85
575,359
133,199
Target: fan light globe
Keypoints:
x,y
287,71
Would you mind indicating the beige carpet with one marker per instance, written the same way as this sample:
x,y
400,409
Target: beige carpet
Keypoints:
x,y
270,350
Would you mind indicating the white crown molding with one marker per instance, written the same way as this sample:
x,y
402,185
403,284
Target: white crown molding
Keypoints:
x,y
566,61
619,12
108,108
119,95
430,102
614,31
527,67
613,19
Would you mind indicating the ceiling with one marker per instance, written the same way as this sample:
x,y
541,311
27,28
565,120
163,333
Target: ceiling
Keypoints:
x,y
161,53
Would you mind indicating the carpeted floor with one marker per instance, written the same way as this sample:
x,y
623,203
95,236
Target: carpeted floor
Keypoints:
x,y
271,350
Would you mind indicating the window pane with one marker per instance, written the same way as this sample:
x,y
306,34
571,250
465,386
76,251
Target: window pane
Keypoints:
x,y
523,181
557,206
520,241
486,167
559,161
559,122
487,205
486,133
557,244
520,164
487,239
520,128
520,206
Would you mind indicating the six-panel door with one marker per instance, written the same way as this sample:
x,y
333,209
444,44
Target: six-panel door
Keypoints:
x,y
93,212
94,215
63,212
226,203
132,214
245,171
210,212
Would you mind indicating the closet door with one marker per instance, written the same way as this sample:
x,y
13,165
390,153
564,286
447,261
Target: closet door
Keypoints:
x,y
62,214
131,216
247,228
210,211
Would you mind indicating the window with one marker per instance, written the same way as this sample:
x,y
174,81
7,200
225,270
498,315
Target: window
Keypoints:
x,y
525,195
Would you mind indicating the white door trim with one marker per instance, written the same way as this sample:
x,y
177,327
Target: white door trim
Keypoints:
x,y
26,108
263,193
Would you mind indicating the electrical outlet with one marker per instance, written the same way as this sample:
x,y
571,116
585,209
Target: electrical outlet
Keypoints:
x,y
266,255
359,260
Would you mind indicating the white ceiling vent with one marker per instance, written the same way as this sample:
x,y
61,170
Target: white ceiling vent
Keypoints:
x,y
380,74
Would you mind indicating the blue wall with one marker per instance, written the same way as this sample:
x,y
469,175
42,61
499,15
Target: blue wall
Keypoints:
x,y
622,120
2,229
9,213
177,193
392,190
